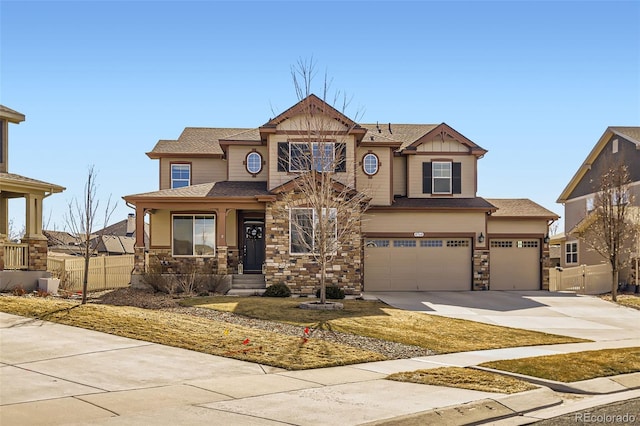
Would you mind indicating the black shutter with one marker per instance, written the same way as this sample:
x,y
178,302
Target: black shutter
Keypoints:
x,y
426,178
340,154
457,178
283,156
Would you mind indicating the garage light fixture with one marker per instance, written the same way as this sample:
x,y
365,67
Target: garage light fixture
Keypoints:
x,y
546,239
481,238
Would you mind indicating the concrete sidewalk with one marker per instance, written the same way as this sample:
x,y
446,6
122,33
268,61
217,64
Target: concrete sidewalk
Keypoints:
x,y
55,374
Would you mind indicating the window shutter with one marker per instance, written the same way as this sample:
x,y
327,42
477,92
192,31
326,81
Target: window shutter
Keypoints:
x,y
283,156
340,155
456,183
426,178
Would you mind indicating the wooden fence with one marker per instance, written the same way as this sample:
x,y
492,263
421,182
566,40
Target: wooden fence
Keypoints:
x,y
583,279
105,272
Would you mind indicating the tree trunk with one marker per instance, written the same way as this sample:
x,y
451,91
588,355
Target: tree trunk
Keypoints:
x,y
614,284
85,280
323,286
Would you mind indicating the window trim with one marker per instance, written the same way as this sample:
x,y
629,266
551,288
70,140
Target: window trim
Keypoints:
x,y
172,180
193,216
246,163
364,164
572,253
441,178
314,221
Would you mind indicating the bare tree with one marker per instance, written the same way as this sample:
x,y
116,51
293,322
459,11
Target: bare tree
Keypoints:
x,y
15,234
320,203
608,230
80,220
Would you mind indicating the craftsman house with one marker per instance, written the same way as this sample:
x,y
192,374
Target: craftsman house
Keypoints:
x,y
617,145
425,229
21,263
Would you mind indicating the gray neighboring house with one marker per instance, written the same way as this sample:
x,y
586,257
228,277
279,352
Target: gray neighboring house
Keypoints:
x,y
616,145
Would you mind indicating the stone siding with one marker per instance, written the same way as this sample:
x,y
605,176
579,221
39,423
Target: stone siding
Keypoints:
x,y
38,248
300,272
481,270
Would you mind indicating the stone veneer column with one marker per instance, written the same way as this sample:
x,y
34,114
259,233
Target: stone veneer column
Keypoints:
x,y
37,253
222,260
481,269
546,264
3,238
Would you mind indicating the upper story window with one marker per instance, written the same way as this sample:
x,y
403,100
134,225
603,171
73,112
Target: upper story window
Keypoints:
x,y
571,252
370,164
614,146
305,156
194,235
590,204
254,163
180,175
441,178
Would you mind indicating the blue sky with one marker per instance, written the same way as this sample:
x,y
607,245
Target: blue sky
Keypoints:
x,y
100,82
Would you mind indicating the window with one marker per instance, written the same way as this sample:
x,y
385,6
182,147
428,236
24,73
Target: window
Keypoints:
x,y
501,244
457,243
527,244
303,224
441,178
404,243
180,175
590,204
614,146
571,251
430,243
370,164
194,235
305,156
377,243
254,163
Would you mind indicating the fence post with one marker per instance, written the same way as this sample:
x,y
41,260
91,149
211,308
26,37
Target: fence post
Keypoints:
x,y
583,285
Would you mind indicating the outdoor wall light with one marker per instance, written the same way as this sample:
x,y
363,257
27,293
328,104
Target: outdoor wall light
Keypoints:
x,y
546,239
481,238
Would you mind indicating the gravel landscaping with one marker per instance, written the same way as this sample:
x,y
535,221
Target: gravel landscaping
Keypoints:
x,y
164,302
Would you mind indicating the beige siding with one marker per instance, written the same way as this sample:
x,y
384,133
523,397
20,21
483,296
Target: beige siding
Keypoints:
x,y
277,178
203,170
378,186
160,228
236,158
510,226
232,229
574,211
448,145
423,222
414,165
400,176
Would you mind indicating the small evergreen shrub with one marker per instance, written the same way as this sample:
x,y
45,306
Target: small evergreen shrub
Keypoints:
x,y
332,292
277,290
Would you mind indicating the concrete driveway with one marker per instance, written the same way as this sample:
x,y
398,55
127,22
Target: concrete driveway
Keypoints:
x,y
568,314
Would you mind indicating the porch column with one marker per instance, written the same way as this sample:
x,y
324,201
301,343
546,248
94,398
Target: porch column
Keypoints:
x,y
221,240
33,216
139,257
4,215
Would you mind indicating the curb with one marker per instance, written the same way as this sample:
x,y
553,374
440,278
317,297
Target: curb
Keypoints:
x,y
597,386
477,412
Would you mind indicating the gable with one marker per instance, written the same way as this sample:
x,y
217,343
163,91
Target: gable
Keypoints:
x,y
444,139
601,158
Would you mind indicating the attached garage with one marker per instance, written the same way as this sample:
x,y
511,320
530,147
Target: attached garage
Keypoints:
x,y
417,264
514,264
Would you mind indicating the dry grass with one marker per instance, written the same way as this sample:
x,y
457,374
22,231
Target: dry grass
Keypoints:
x,y
629,300
188,332
465,378
377,320
575,366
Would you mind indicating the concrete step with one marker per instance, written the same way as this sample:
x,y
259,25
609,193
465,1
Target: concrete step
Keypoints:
x,y
246,292
246,285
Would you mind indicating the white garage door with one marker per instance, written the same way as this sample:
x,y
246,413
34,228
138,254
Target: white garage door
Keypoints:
x,y
514,264
417,264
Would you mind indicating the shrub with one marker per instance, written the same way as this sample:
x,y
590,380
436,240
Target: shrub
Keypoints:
x,y
332,292
18,291
277,290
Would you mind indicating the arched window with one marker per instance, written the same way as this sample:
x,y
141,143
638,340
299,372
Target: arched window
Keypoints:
x,y
370,164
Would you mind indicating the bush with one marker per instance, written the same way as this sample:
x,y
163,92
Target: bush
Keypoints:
x,y
277,290
332,292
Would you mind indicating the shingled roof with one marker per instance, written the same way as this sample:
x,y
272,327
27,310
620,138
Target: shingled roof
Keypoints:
x,y
195,141
476,203
223,189
520,207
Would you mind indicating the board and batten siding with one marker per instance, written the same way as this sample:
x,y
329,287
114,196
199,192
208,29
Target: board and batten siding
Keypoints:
x,y
203,170
400,176
496,225
448,145
468,168
236,158
377,186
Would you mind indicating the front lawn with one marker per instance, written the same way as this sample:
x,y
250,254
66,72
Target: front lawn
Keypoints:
x,y
378,320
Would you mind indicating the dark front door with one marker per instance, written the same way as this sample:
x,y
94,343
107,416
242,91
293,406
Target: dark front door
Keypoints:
x,y
253,246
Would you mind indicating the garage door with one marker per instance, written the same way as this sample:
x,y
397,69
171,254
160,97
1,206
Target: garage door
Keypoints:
x,y
514,264
418,264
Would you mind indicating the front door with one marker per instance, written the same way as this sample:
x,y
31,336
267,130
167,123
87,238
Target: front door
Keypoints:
x,y
253,246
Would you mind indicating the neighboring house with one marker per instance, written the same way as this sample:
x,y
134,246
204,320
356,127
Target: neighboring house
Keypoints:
x,y
426,228
109,245
62,242
618,145
30,256
125,228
